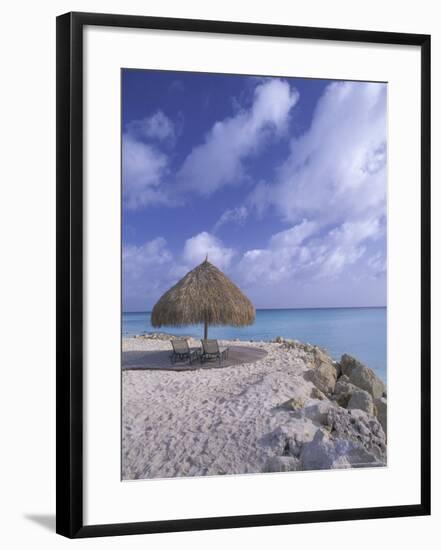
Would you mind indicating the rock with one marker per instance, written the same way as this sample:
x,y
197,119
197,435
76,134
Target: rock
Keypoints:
x,y
281,440
381,410
324,377
292,344
320,356
359,457
361,399
343,391
362,431
317,394
350,443
362,376
294,404
319,412
306,347
347,364
322,454
282,464
294,447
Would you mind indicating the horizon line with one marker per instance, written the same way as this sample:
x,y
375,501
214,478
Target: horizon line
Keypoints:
x,y
287,308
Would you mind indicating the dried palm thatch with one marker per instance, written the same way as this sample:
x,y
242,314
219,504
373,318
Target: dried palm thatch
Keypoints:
x,y
205,295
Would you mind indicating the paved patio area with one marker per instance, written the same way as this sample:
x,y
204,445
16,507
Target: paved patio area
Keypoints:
x,y
160,360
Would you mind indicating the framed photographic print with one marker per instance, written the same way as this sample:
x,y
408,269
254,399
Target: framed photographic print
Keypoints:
x,y
243,274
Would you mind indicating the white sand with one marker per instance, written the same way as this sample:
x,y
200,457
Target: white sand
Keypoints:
x,y
211,421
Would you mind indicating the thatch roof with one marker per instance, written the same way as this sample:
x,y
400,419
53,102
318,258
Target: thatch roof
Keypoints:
x,y
204,295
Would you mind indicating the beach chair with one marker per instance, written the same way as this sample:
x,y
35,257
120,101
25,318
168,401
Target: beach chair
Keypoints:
x,y
182,351
211,350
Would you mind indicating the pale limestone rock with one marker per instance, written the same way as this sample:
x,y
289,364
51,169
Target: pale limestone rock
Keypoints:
x,y
294,403
282,464
321,356
345,447
294,446
361,399
324,377
362,376
321,454
280,440
381,410
343,391
317,394
318,412
360,429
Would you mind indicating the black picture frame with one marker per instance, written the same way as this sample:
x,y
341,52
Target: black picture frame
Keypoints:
x,y
69,223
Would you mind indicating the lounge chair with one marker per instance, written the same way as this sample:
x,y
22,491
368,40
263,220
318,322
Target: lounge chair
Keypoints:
x,y
182,351
211,350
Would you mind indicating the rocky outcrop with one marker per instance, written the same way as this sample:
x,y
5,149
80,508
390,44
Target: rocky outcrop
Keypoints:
x,y
322,454
381,412
283,441
351,440
361,376
362,430
324,377
359,387
317,394
282,464
343,391
294,404
321,357
341,424
362,400
318,412
304,347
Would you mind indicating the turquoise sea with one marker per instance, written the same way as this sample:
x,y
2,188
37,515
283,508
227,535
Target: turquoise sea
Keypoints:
x,y
361,332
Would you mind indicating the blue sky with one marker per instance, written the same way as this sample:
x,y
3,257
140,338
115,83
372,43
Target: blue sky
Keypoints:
x,y
281,181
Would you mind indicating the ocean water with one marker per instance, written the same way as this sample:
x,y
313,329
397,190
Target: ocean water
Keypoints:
x,y
361,332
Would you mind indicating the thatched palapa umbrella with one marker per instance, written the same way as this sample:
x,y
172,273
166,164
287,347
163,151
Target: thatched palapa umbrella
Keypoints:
x,y
205,295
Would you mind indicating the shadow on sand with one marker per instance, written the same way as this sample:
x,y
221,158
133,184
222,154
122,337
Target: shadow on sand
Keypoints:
x,y
160,360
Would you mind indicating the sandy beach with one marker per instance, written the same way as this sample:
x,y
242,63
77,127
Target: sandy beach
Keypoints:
x,y
293,409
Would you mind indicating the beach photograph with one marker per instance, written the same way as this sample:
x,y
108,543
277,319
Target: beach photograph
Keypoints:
x,y
254,274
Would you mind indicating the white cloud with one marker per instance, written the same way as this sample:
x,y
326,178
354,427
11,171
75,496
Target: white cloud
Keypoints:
x,y
330,192
150,269
156,127
147,272
294,236
377,263
335,175
218,161
143,168
356,232
198,247
336,171
232,215
283,258
306,252
137,258
336,259
345,245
